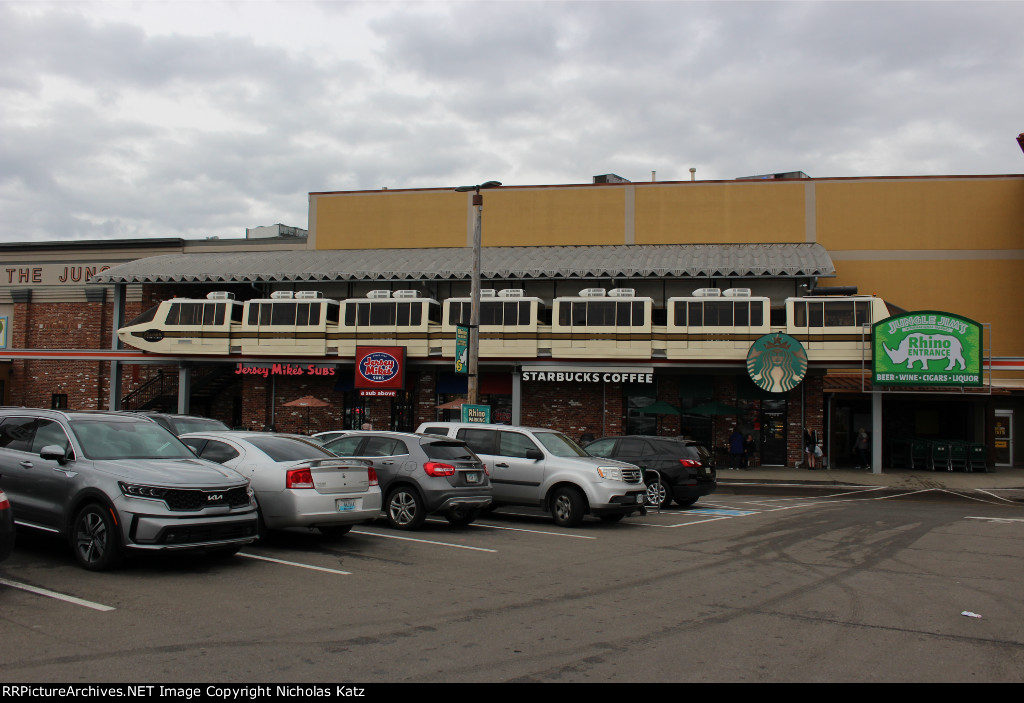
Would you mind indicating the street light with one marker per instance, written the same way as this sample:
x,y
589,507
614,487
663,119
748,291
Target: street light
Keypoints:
x,y
472,382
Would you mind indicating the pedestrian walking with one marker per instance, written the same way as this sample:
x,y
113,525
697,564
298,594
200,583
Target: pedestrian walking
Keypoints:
x,y
735,448
749,449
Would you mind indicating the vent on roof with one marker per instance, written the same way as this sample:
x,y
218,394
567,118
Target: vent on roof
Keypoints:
x,y
406,294
622,293
220,295
707,293
308,294
487,293
512,293
736,293
282,295
378,294
592,293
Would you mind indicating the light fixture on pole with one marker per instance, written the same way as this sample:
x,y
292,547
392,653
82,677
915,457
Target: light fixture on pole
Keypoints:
x,y
473,355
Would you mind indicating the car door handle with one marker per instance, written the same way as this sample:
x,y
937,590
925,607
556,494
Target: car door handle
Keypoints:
x,y
27,464
502,466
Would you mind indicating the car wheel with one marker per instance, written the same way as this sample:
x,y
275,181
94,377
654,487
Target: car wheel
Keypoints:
x,y
335,531
567,507
686,502
460,517
405,509
95,541
658,494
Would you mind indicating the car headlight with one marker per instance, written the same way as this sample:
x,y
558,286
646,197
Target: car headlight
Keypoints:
x,y
610,473
138,490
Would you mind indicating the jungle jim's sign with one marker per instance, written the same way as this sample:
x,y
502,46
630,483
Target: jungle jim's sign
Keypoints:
x,y
926,348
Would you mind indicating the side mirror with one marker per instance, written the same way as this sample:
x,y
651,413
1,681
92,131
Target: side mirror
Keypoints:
x,y
534,454
52,452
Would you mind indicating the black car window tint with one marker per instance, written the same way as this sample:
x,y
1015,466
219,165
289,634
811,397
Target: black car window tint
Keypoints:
x,y
49,433
218,452
451,450
631,447
196,445
287,448
480,441
16,433
384,446
514,444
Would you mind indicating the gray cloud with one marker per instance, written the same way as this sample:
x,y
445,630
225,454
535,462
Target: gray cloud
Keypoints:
x,y
112,129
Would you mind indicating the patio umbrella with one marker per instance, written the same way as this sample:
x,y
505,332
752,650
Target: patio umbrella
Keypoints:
x,y
714,408
659,408
452,404
307,402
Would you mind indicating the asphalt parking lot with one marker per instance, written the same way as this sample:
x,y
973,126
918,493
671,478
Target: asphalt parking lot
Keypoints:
x,y
832,587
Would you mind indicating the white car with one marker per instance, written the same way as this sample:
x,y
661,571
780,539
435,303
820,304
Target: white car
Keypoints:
x,y
297,482
325,437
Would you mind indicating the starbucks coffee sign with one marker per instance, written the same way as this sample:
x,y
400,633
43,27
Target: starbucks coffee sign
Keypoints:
x,y
926,348
776,362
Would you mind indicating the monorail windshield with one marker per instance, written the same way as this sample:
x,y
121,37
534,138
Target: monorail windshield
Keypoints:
x,y
831,313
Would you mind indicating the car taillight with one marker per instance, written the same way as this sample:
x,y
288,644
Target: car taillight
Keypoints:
x,y
372,475
486,470
689,462
436,468
4,503
299,478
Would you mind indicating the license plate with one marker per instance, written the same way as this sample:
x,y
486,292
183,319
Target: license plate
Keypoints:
x,y
346,504
472,477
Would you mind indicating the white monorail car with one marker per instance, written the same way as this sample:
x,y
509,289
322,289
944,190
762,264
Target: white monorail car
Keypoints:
x,y
509,323
600,324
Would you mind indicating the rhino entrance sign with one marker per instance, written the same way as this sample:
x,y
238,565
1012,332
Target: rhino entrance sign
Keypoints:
x,y
926,348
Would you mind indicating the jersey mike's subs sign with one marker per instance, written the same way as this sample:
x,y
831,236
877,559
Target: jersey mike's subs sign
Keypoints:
x,y
380,368
927,348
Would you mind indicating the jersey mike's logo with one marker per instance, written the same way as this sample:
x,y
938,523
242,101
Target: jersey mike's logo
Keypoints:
x,y
379,367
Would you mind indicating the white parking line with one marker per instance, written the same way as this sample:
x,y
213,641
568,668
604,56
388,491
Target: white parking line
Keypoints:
x,y
295,563
996,519
423,541
536,532
58,596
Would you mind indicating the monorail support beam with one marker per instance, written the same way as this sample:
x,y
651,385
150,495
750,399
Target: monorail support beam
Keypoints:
x,y
876,433
116,321
184,388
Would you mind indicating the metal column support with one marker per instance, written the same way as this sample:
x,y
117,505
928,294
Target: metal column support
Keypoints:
x,y
184,387
876,433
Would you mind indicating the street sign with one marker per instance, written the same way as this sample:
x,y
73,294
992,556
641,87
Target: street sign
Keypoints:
x,y
461,349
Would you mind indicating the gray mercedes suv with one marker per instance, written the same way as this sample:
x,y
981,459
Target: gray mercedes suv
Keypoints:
x,y
113,483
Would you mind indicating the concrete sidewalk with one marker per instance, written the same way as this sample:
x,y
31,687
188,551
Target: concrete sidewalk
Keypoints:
x,y
1006,483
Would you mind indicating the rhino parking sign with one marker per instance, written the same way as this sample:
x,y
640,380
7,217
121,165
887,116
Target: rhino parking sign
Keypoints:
x,y
926,348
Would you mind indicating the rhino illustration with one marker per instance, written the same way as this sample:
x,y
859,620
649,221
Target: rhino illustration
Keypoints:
x,y
923,347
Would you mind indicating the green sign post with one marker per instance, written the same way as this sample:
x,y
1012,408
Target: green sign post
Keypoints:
x,y
461,349
926,348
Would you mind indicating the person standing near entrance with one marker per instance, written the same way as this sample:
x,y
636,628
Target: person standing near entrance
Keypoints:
x,y
735,448
860,447
810,445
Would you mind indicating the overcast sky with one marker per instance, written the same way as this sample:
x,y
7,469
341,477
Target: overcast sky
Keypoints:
x,y
198,119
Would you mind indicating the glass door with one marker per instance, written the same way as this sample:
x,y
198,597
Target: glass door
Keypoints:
x,y
1003,437
773,432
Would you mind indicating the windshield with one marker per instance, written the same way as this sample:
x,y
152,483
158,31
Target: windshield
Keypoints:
x,y
448,451
106,439
558,444
288,448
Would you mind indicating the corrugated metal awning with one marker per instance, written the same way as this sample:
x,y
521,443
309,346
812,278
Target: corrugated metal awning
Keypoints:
x,y
582,262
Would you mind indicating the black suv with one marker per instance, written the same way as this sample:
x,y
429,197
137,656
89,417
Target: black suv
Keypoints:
x,y
676,469
110,483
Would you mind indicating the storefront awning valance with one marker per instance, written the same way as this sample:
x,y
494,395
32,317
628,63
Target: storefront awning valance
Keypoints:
x,y
785,260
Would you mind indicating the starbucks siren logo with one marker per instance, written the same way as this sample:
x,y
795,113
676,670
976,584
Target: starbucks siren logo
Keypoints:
x,y
776,362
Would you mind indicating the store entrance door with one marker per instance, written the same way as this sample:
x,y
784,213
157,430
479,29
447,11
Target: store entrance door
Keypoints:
x,y
1004,438
773,432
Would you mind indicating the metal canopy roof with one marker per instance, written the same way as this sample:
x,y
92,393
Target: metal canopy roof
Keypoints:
x,y
455,263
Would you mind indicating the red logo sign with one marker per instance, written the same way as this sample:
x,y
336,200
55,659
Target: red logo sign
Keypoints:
x,y
380,367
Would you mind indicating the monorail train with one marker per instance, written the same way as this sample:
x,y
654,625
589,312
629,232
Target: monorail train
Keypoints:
x,y
710,324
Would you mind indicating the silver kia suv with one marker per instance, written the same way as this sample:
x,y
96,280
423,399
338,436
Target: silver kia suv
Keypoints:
x,y
113,483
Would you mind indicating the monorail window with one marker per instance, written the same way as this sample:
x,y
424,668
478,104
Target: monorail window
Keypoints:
x,y
831,313
719,313
285,314
601,313
492,312
195,314
384,313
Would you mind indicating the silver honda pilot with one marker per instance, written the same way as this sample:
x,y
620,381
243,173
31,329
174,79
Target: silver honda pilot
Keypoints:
x,y
544,468
111,483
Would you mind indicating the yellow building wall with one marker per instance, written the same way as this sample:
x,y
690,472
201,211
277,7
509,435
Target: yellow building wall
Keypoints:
x,y
436,218
980,289
962,213
720,213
